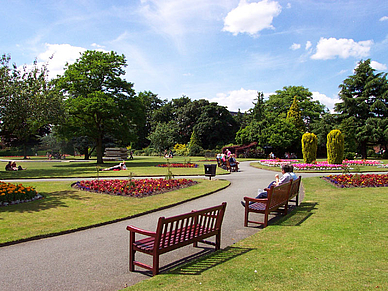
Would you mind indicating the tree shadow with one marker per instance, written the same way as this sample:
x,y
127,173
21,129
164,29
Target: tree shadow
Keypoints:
x,y
54,200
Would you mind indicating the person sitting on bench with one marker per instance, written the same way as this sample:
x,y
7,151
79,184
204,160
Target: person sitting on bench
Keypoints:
x,y
287,171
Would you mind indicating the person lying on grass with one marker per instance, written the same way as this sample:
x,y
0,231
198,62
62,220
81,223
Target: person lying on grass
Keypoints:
x,y
118,167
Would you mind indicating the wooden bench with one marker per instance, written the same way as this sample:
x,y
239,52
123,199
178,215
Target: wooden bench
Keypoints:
x,y
231,168
175,232
277,196
294,191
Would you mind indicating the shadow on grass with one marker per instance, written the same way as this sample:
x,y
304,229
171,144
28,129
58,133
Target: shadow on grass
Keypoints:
x,y
54,200
297,215
201,264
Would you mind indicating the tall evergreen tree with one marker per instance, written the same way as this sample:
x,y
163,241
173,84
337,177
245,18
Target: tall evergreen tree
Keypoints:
x,y
364,96
294,116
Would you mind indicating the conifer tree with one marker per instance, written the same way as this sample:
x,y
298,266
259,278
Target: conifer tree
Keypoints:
x,y
309,147
335,147
294,115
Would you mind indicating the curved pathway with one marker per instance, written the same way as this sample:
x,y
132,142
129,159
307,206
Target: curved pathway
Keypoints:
x,y
97,258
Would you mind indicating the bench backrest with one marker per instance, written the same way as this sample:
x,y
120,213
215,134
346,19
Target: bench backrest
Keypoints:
x,y
181,229
278,195
295,187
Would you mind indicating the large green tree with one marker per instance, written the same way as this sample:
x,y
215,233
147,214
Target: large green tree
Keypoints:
x,y
99,102
28,103
364,100
279,104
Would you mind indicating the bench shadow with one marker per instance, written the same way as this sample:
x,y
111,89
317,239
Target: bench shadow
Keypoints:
x,y
204,260
296,214
55,200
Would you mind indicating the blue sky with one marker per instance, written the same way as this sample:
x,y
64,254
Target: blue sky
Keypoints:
x,y
221,50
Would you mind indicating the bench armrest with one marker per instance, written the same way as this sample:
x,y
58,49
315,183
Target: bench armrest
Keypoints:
x,y
141,231
260,200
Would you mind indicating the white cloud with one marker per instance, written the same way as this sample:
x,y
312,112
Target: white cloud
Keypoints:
x,y
329,48
295,46
377,66
60,54
327,101
238,99
308,45
251,17
384,18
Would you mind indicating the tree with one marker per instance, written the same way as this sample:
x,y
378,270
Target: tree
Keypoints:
x,y
99,103
363,95
335,147
151,103
294,116
164,136
28,102
278,104
309,147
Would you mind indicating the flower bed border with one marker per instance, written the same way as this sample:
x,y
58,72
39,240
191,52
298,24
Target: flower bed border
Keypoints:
x,y
188,183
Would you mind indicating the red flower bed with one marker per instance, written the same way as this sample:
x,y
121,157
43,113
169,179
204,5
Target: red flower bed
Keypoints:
x,y
135,187
364,180
177,165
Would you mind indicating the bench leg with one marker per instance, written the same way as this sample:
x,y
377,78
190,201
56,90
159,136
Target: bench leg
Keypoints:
x,y
155,267
218,241
246,215
131,251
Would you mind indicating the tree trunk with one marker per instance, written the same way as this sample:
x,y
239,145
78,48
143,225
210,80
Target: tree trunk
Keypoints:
x,y
99,150
86,154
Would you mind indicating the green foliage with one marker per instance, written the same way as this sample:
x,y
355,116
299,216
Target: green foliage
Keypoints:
x,y
309,147
364,102
99,103
194,139
163,137
181,149
335,147
195,150
294,116
28,103
279,104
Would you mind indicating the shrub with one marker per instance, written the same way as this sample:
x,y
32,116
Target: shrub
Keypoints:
x,y
335,147
181,149
309,147
195,150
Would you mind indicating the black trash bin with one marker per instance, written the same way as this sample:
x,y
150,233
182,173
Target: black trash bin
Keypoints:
x,y
210,170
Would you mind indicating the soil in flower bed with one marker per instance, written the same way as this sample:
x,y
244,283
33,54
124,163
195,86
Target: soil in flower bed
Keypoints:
x,y
133,188
358,180
172,165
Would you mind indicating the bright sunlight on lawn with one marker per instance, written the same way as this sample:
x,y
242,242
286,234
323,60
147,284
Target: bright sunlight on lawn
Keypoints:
x,y
336,240
65,208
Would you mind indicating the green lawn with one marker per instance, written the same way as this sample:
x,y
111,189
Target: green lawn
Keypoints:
x,y
139,166
65,208
336,240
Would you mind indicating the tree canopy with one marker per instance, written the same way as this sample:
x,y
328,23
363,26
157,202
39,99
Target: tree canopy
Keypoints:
x,y
364,103
99,103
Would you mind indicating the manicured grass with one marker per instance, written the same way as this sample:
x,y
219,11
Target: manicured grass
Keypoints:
x,y
139,167
336,240
65,208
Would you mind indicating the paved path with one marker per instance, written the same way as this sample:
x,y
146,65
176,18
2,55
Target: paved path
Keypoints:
x,y
97,258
